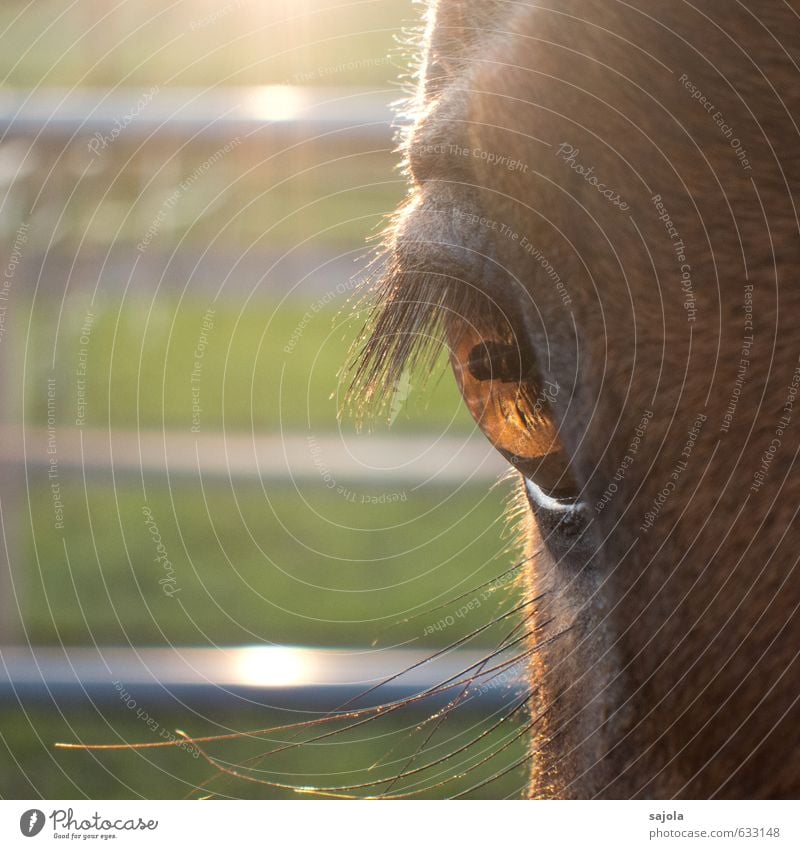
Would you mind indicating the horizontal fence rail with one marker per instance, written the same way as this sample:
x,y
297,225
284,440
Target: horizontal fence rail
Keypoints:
x,y
281,677
192,113
324,459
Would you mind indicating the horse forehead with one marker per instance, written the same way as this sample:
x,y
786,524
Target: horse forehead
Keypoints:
x,y
459,34
476,71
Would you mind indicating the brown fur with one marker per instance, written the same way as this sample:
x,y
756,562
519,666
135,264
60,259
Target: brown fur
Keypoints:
x,y
677,673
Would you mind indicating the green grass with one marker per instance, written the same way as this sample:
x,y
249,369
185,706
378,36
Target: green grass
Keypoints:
x,y
28,738
271,366
250,566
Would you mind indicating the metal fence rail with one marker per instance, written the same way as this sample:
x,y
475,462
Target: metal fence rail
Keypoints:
x,y
282,677
192,113
411,460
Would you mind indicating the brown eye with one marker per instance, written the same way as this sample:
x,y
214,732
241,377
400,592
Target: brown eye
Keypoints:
x,y
512,408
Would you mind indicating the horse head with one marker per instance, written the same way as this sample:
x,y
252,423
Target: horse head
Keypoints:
x,y
601,230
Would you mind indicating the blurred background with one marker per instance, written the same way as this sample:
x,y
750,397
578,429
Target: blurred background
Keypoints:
x,y
193,537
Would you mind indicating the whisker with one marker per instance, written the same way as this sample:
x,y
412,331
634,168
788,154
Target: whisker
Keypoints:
x,y
343,790
516,567
502,647
445,715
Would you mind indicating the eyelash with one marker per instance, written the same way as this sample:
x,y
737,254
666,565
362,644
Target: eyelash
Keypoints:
x,y
406,329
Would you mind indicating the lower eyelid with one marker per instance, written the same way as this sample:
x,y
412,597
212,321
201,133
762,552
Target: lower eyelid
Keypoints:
x,y
560,522
547,501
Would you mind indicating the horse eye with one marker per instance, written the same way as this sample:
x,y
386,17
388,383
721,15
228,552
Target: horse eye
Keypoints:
x,y
512,408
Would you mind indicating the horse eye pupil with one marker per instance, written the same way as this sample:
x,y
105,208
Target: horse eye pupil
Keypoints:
x,y
495,361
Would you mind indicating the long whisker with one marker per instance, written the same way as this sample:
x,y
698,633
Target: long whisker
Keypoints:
x,y
345,791
445,715
504,645
353,714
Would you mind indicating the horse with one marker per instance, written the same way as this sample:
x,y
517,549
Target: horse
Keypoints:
x,y
601,231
